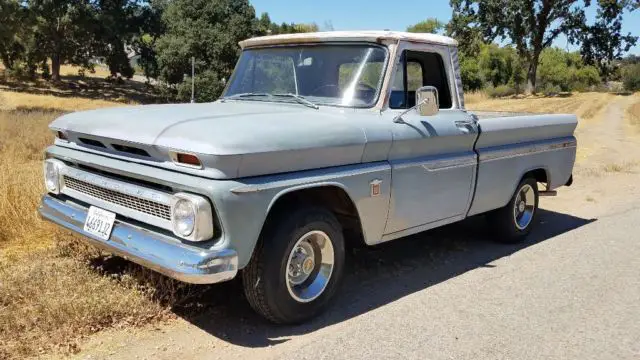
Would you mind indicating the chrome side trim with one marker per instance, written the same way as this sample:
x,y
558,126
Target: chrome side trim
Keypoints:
x,y
120,187
512,151
327,176
439,164
164,254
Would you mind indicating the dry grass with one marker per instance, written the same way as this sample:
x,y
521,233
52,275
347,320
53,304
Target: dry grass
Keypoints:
x,y
53,290
585,105
71,70
10,100
633,114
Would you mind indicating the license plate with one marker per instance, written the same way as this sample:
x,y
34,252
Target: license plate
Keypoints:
x,y
99,222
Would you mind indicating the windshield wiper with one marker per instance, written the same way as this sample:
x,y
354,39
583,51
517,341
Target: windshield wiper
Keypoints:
x,y
245,95
300,99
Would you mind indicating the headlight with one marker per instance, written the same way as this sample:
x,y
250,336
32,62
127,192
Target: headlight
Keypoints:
x,y
184,217
52,175
191,217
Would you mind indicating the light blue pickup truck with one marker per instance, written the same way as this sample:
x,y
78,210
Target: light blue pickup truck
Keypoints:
x,y
315,135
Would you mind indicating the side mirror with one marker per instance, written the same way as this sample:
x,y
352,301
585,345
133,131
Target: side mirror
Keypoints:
x,y
427,102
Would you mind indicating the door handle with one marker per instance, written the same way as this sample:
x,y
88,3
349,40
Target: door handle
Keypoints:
x,y
464,123
468,126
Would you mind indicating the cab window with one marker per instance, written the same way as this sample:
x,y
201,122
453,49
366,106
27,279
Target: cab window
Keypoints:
x,y
417,69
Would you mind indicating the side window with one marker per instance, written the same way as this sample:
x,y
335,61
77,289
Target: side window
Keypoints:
x,y
422,69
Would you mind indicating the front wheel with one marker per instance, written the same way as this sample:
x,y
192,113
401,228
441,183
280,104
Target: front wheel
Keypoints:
x,y
297,265
513,222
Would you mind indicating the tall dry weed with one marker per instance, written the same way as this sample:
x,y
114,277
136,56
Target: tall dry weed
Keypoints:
x,y
53,289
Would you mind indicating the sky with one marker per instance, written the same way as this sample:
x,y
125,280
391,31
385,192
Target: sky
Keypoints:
x,y
386,14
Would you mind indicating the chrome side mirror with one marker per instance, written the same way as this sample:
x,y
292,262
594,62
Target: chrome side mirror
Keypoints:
x,y
427,102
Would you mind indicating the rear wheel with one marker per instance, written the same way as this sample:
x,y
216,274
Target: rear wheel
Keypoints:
x,y
513,222
297,266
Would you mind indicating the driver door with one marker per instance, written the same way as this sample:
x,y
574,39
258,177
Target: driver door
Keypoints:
x,y
432,158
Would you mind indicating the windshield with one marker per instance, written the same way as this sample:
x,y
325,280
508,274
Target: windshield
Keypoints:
x,y
341,75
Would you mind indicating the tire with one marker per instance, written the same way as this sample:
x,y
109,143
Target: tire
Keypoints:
x,y
510,223
275,277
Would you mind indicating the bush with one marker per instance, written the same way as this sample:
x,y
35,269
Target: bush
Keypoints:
x,y
500,91
22,71
470,74
208,87
631,77
551,90
584,78
566,71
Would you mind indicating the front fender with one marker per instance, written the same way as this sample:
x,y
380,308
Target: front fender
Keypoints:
x,y
244,204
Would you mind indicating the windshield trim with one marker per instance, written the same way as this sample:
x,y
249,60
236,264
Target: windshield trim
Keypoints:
x,y
379,89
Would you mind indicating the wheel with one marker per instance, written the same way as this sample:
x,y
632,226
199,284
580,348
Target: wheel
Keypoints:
x,y
513,222
296,267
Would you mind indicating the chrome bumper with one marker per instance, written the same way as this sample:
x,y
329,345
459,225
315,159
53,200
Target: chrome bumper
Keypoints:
x,y
152,250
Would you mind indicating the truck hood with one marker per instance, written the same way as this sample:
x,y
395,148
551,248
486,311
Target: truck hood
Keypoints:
x,y
233,138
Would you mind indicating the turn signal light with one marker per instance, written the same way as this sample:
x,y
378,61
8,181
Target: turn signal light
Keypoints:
x,y
185,159
60,135
188,159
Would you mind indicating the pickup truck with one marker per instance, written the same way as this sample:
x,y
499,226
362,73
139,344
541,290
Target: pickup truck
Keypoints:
x,y
316,136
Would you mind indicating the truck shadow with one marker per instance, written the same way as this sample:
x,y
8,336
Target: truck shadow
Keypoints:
x,y
376,276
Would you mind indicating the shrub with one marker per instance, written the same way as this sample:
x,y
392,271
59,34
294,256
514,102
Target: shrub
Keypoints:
x,y
22,71
470,73
551,90
500,91
631,77
583,78
208,87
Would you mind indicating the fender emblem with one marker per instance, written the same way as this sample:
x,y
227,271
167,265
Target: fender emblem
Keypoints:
x,y
375,187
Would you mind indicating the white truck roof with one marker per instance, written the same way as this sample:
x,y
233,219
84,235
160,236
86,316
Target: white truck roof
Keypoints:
x,y
357,36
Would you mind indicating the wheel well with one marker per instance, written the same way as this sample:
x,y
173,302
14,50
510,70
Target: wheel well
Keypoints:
x,y
540,175
330,197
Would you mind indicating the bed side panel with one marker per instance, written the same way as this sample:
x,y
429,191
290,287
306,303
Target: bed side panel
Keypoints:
x,y
509,147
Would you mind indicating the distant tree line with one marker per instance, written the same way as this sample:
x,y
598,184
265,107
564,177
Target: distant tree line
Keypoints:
x,y
163,34
38,36
527,29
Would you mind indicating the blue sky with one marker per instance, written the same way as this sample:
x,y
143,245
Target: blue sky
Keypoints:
x,y
385,14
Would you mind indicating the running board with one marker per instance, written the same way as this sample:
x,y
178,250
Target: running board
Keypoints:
x,y
548,193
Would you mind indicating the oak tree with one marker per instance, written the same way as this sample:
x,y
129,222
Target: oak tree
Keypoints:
x,y
430,25
603,42
530,25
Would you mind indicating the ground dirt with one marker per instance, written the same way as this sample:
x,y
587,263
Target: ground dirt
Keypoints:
x,y
572,290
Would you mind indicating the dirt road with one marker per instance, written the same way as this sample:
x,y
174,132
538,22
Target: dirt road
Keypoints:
x,y
572,290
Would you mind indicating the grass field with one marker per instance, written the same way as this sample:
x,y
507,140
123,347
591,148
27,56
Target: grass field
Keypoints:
x,y
53,290
585,105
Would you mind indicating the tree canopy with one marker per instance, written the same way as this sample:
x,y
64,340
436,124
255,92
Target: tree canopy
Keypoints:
x,y
604,41
158,38
533,25
430,25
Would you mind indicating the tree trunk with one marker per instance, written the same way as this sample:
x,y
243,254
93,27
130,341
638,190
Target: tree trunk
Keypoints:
x,y
55,67
532,73
6,61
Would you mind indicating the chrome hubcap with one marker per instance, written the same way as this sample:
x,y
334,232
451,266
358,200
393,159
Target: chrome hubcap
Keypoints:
x,y
309,266
524,207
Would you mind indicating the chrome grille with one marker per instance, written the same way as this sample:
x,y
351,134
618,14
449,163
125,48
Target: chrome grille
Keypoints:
x,y
145,206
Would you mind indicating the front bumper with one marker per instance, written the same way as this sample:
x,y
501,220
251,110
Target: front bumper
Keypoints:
x,y
150,249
